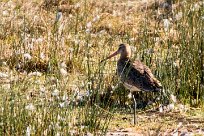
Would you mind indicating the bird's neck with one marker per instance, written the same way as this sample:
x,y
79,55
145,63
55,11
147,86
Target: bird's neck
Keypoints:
x,y
125,55
124,59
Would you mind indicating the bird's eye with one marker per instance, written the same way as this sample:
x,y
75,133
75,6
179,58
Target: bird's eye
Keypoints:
x,y
120,47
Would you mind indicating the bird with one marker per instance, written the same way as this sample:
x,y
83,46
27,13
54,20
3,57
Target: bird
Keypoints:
x,y
134,75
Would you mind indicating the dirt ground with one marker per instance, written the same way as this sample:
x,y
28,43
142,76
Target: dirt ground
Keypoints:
x,y
171,123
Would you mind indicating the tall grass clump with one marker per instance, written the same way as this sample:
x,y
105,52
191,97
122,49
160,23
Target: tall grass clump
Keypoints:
x,y
170,38
190,84
52,84
184,53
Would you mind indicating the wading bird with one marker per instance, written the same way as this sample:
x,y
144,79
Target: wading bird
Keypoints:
x,y
135,76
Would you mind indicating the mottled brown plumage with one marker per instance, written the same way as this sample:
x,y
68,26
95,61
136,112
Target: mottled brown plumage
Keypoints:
x,y
137,76
134,75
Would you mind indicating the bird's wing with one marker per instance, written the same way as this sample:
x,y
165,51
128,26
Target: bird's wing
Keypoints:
x,y
148,73
137,65
143,77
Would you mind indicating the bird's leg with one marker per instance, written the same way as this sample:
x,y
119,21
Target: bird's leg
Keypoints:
x,y
135,107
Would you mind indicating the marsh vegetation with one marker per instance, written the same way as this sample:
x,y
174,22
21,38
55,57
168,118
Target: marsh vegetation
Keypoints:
x,y
52,81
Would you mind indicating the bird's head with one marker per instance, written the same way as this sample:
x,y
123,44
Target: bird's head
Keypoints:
x,y
123,50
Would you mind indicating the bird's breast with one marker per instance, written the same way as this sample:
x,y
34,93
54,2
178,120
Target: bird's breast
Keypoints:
x,y
130,87
122,67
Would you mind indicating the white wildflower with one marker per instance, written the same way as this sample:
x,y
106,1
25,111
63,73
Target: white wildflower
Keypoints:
x,y
96,18
156,39
63,104
161,109
57,126
110,25
18,66
77,5
35,74
6,86
102,32
58,134
182,108
166,24
170,106
59,117
89,25
64,97
71,49
73,132
70,15
178,16
150,51
76,41
28,130
132,39
88,93
176,64
17,52
173,98
30,45
63,72
58,16
42,55
3,75
150,103
89,134
180,124
79,97
54,81
130,95
202,18
35,18
63,65
76,91
37,81
11,4
42,89
116,13
39,40
30,107
27,56
82,127
55,92
5,13
88,30
4,63
27,97
113,87
133,48
195,7
61,28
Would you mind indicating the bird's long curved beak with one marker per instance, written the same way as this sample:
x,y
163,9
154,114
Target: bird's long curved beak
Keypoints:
x,y
110,56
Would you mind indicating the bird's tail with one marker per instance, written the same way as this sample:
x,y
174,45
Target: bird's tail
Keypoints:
x,y
158,85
